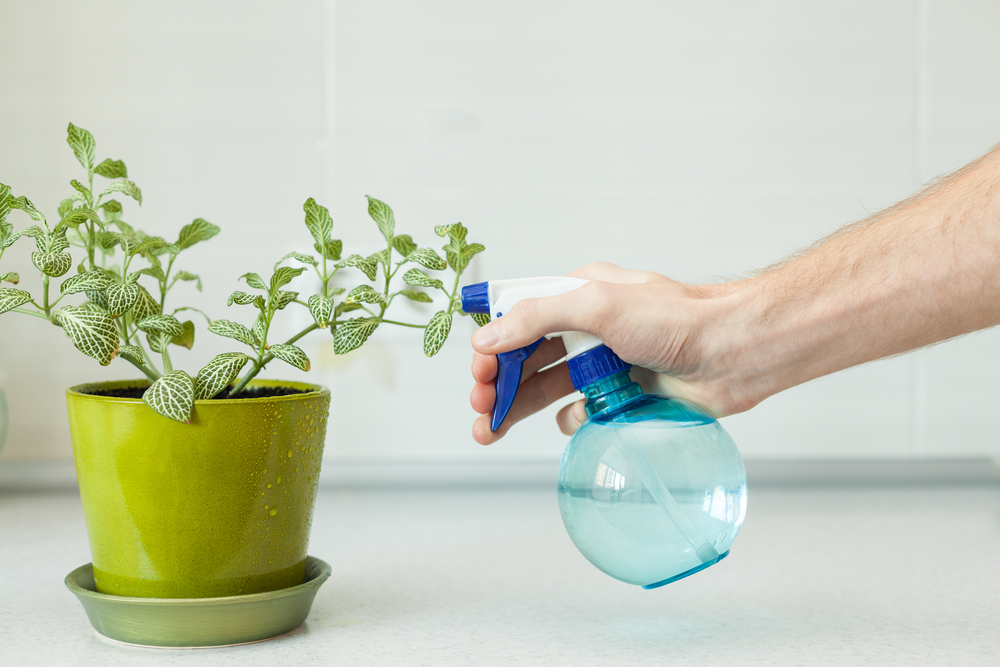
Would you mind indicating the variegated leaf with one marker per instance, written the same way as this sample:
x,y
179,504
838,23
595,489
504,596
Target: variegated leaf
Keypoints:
x,y
244,299
427,257
112,210
172,396
93,332
365,294
121,298
305,259
199,230
232,330
125,187
5,202
318,221
383,217
436,332
82,189
254,280
12,298
331,249
83,144
167,324
184,275
150,244
91,280
353,333
257,332
381,257
403,244
133,277
98,298
155,271
467,254
456,230
65,206
10,277
291,354
158,341
24,204
133,352
55,242
76,216
218,374
367,266
186,339
416,295
111,169
284,275
418,278
482,319
321,308
52,263
345,307
145,306
283,298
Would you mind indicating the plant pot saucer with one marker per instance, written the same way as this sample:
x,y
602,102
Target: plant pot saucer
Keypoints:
x,y
197,622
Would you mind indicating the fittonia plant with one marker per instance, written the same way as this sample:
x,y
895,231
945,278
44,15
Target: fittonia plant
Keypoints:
x,y
126,277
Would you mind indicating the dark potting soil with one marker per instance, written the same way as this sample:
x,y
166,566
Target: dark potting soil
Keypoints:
x,y
251,392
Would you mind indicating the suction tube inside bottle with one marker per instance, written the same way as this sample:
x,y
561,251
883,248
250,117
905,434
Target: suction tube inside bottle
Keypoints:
x,y
633,452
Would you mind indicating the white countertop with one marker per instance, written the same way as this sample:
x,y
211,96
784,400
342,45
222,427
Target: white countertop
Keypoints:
x,y
907,576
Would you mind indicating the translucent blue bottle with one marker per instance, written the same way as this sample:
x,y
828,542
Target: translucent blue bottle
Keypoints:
x,y
651,489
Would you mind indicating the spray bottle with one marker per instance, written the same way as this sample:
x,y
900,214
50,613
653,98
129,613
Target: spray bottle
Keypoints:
x,y
651,489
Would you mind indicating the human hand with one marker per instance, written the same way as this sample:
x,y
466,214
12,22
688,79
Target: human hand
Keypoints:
x,y
667,330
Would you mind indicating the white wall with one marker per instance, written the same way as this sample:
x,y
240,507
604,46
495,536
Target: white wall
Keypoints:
x,y
701,141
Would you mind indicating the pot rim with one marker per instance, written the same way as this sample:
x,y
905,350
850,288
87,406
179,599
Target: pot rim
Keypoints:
x,y
313,390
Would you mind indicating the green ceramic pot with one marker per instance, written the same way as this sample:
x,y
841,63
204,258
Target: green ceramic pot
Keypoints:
x,y
218,507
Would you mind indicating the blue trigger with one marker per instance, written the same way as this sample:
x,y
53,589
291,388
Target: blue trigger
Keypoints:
x,y
509,368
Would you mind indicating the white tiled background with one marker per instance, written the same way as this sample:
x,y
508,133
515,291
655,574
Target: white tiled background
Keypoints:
x,y
701,140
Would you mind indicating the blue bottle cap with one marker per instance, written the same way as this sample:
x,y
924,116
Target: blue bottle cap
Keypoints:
x,y
594,364
475,298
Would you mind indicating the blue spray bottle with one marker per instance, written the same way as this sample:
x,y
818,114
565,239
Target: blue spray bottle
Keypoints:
x,y
651,489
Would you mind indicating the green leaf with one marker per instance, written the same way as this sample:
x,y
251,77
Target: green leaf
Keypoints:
x,y
258,331
345,307
284,275
112,210
5,202
232,330
82,189
172,396
24,204
254,280
321,308
353,333
482,319
331,249
186,339
427,257
184,275
76,216
416,295
93,332
282,299
318,221
367,266
98,299
455,231
418,278
149,244
244,299
111,169
436,332
125,187
383,217
158,341
198,230
10,277
156,271
133,352
83,144
167,324
291,355
145,306
65,206
52,263
91,280
365,294
305,259
121,298
12,298
218,374
468,252
403,244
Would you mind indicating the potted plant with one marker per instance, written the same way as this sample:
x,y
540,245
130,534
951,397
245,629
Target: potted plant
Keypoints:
x,y
201,484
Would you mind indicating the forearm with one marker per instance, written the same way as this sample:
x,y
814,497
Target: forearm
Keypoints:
x,y
921,272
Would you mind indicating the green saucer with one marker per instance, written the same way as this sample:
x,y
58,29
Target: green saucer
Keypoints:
x,y
197,622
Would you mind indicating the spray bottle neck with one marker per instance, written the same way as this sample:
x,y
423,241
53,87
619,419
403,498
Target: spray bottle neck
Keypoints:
x,y
610,391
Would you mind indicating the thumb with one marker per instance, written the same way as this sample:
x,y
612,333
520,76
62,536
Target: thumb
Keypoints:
x,y
587,308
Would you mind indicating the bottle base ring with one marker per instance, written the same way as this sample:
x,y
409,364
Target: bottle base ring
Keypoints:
x,y
686,573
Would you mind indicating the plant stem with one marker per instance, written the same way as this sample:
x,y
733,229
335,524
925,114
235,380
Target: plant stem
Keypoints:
x,y
153,377
259,364
28,312
167,366
45,295
405,324
147,355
